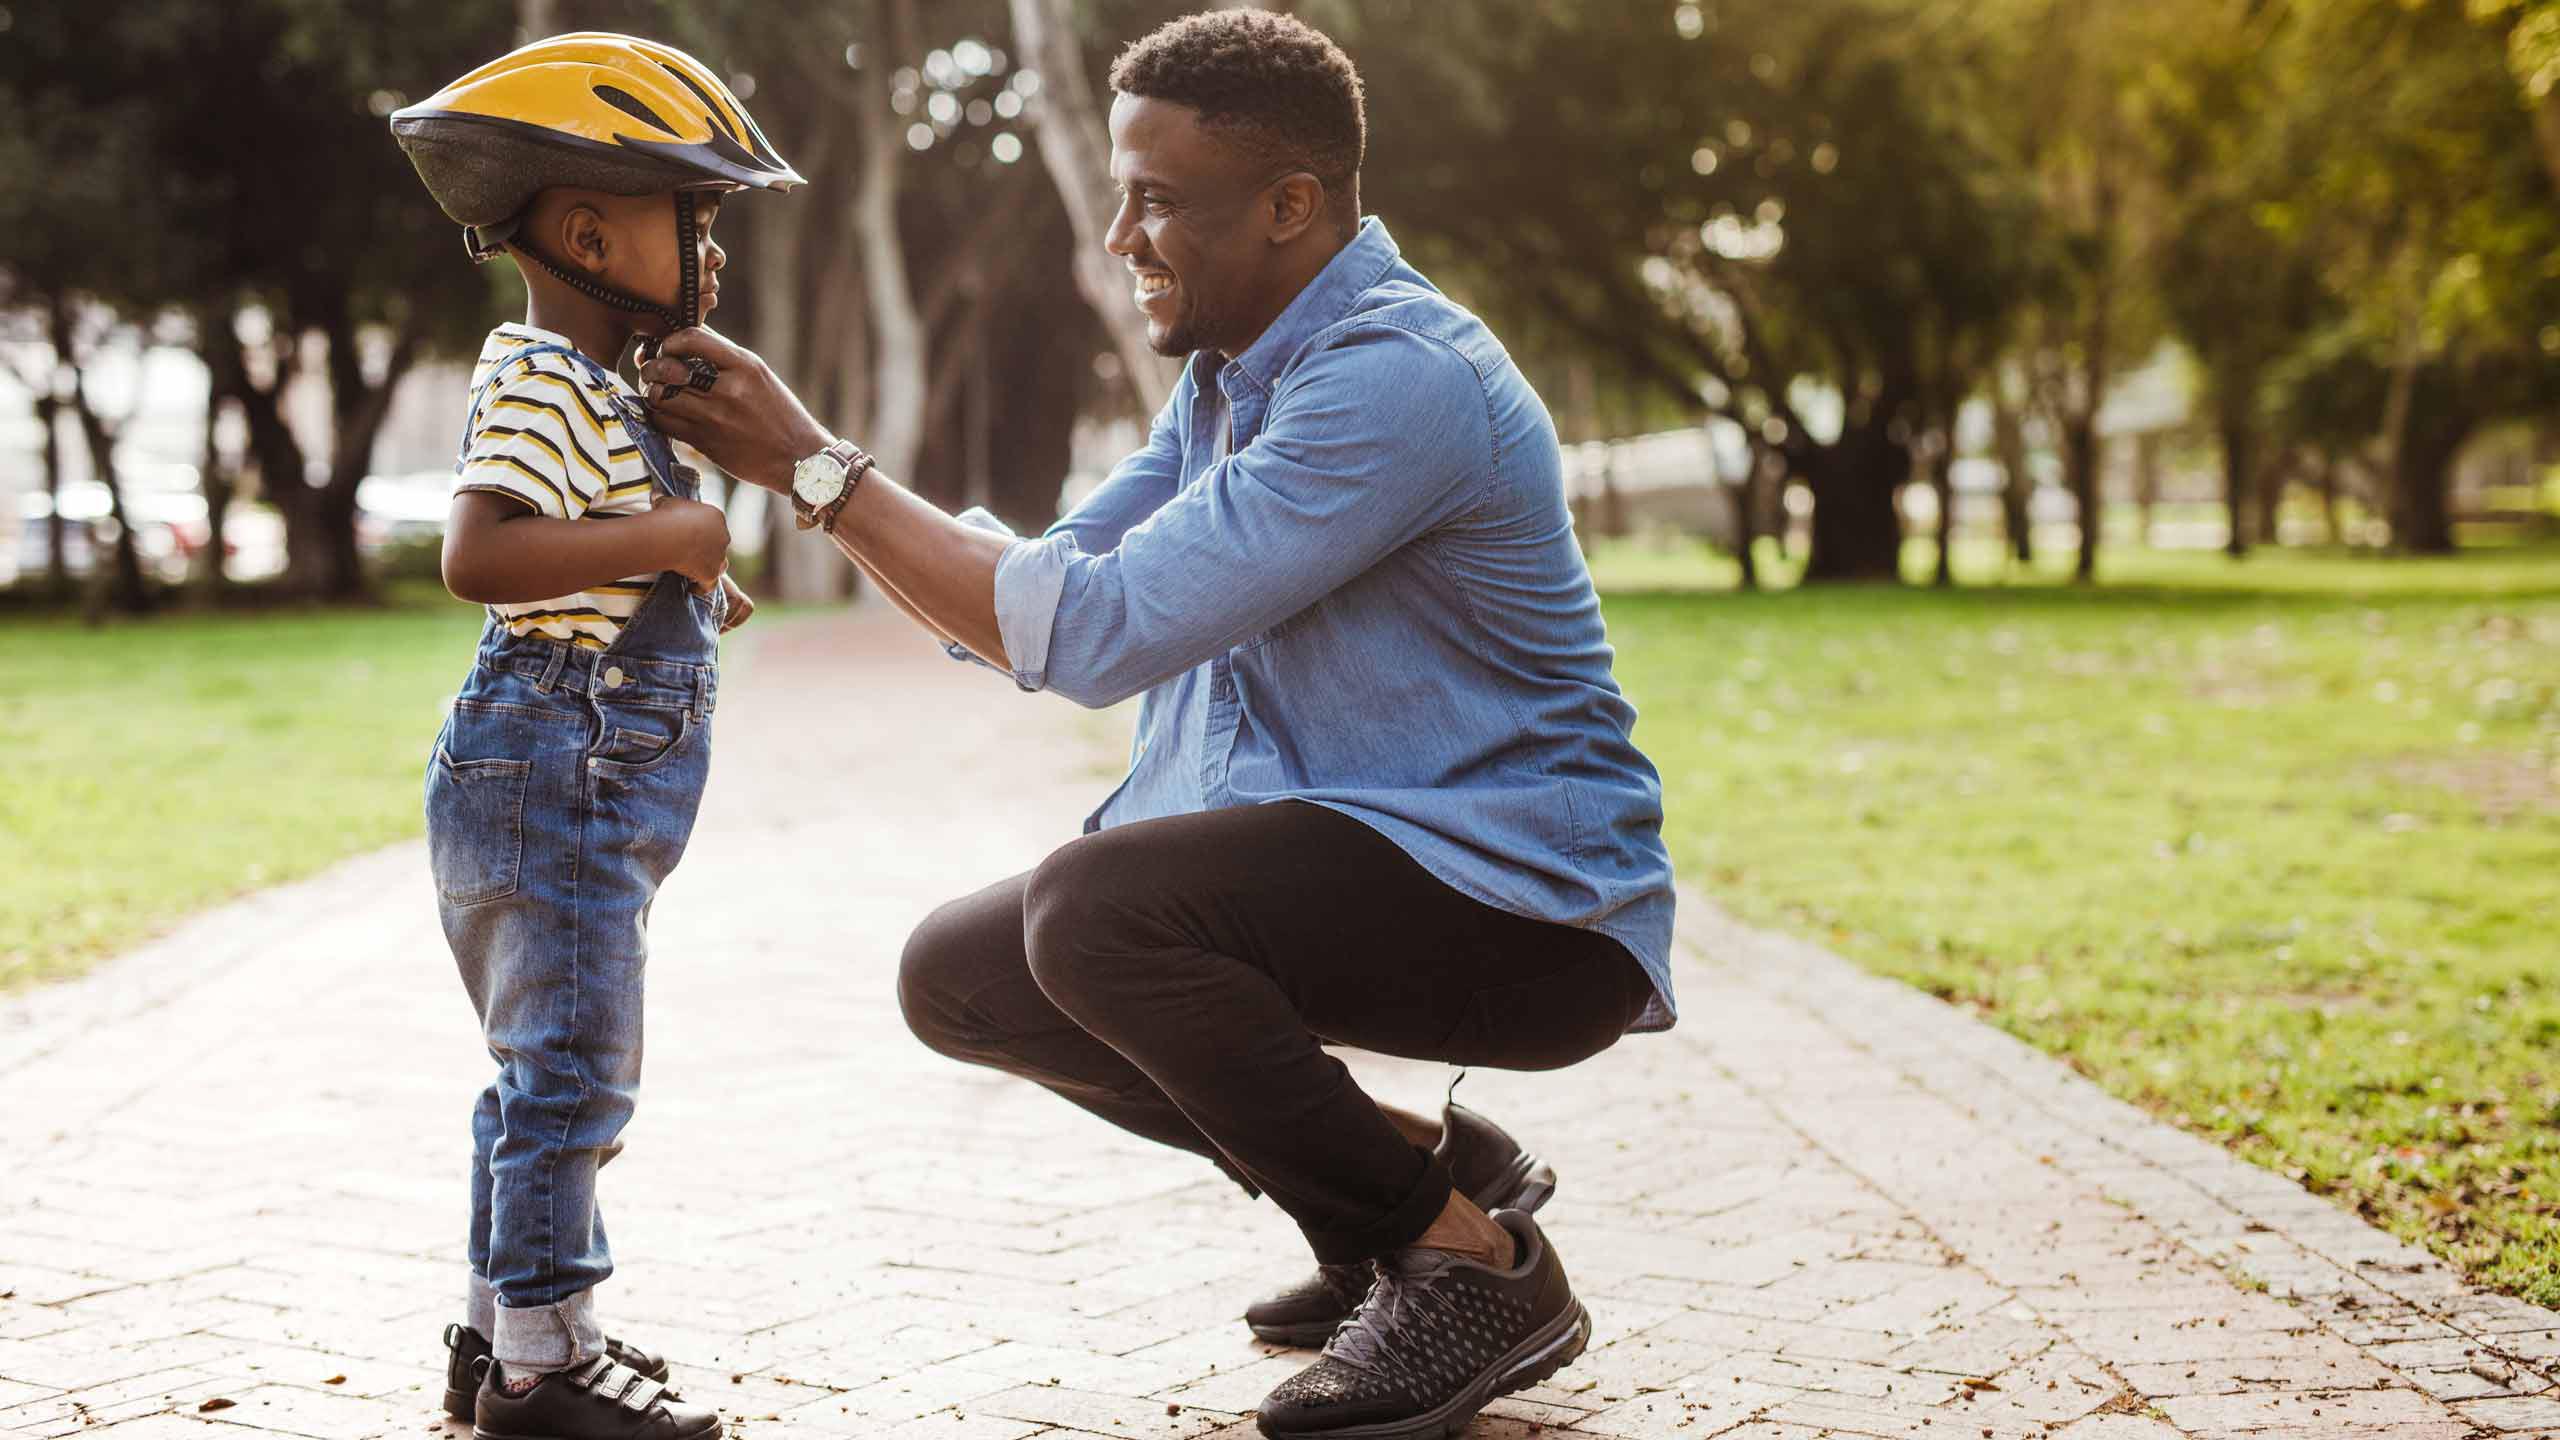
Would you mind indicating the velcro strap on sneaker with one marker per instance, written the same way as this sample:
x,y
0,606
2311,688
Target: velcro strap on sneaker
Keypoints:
x,y
644,1394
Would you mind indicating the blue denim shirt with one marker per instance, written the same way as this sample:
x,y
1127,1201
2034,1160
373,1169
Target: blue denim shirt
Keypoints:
x,y
1368,595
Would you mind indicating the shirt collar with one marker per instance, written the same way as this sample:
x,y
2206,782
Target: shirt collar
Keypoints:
x,y
1354,269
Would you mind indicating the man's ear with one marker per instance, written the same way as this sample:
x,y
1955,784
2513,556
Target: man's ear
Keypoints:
x,y
1297,202
583,241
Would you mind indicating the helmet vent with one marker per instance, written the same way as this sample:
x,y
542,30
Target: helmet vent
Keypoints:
x,y
718,120
630,104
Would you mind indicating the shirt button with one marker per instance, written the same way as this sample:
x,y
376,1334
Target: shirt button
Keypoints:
x,y
613,677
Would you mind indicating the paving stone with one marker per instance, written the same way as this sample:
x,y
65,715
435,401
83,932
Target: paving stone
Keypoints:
x,y
1825,1205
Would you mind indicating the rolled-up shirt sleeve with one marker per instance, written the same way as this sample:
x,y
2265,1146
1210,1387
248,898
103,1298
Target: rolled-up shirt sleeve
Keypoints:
x,y
1371,441
1029,573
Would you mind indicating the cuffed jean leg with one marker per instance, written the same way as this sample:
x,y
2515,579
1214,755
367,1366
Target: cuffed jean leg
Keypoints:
x,y
548,1337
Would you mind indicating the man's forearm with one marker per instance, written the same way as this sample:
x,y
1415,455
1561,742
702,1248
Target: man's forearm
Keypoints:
x,y
896,596
937,569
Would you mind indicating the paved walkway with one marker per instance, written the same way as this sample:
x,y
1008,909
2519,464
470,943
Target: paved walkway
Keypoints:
x,y
231,1173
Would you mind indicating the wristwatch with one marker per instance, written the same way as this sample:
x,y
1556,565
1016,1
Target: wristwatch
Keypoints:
x,y
821,483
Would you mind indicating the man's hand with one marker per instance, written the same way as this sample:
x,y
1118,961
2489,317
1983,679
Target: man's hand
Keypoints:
x,y
748,422
693,537
740,608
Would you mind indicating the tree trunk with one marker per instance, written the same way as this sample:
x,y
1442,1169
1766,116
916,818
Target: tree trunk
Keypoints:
x,y
1857,531
2268,488
126,588
211,574
2080,467
2239,472
222,382
1942,464
1746,514
1075,145
2422,478
2328,483
800,566
2018,481
57,561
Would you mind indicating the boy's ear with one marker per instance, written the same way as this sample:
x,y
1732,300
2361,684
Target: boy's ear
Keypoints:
x,y
583,241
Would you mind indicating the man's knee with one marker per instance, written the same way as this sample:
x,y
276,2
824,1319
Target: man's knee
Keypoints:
x,y
1092,922
933,987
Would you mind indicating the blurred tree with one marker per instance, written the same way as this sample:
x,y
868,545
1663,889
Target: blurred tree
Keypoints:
x,y
2063,90
82,246
1782,214
2531,32
919,293
2414,180
2239,283
296,234
1075,148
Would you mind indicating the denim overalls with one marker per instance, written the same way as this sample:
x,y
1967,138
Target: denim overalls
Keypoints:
x,y
561,793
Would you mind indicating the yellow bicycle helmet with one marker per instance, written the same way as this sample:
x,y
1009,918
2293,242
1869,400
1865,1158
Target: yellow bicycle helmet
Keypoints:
x,y
593,110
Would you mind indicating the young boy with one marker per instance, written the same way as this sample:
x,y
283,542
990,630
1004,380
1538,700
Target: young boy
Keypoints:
x,y
565,782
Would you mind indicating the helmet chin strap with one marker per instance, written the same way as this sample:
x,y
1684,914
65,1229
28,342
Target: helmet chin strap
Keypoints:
x,y
486,242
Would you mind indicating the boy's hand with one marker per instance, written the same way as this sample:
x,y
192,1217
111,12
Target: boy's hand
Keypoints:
x,y
740,607
696,539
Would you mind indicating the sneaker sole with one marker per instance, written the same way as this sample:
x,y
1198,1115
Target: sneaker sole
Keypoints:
x,y
1557,1344
707,1432
1526,1187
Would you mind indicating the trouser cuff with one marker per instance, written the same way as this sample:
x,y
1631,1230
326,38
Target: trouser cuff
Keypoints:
x,y
1397,1229
547,1337
480,1308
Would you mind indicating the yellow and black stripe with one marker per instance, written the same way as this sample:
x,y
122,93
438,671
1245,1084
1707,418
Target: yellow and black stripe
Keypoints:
x,y
550,437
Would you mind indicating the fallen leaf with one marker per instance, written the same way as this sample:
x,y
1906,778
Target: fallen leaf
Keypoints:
x,y
335,1380
216,1403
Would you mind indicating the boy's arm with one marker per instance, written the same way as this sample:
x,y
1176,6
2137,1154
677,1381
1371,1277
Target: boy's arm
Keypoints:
x,y
499,552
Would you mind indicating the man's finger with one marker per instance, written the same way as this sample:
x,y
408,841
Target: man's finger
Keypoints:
x,y
700,340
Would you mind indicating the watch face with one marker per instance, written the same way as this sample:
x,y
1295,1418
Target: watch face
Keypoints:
x,y
816,480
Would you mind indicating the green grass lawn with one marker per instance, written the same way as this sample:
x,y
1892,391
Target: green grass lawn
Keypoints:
x,y
151,768
2270,848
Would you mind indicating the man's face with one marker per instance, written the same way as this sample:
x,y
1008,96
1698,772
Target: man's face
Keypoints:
x,y
1196,242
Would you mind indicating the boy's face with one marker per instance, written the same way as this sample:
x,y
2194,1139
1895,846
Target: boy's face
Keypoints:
x,y
629,243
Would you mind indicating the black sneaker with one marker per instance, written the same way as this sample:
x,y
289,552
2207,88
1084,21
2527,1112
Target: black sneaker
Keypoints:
x,y
602,1399
467,1354
1437,1339
1485,1164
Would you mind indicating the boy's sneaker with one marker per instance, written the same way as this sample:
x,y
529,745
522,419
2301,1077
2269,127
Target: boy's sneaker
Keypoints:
x,y
467,1355
602,1399
1485,1164
1436,1340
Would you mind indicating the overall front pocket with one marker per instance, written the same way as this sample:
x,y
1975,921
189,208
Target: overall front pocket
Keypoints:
x,y
475,826
637,741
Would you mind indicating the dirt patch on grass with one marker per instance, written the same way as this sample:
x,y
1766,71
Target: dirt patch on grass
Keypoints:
x,y
2502,785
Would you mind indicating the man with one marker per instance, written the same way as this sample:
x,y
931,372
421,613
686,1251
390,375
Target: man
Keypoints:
x,y
1383,792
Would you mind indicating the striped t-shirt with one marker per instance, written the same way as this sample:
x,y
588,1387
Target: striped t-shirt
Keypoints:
x,y
548,435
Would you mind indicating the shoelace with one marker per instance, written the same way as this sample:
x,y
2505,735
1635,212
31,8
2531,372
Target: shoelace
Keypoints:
x,y
1395,1299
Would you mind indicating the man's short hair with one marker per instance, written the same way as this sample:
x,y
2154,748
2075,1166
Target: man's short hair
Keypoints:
x,y
1269,84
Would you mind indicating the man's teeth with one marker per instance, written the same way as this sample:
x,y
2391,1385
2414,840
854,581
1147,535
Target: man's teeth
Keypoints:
x,y
1150,286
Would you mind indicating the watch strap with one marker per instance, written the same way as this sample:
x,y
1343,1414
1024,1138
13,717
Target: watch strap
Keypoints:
x,y
860,465
843,452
